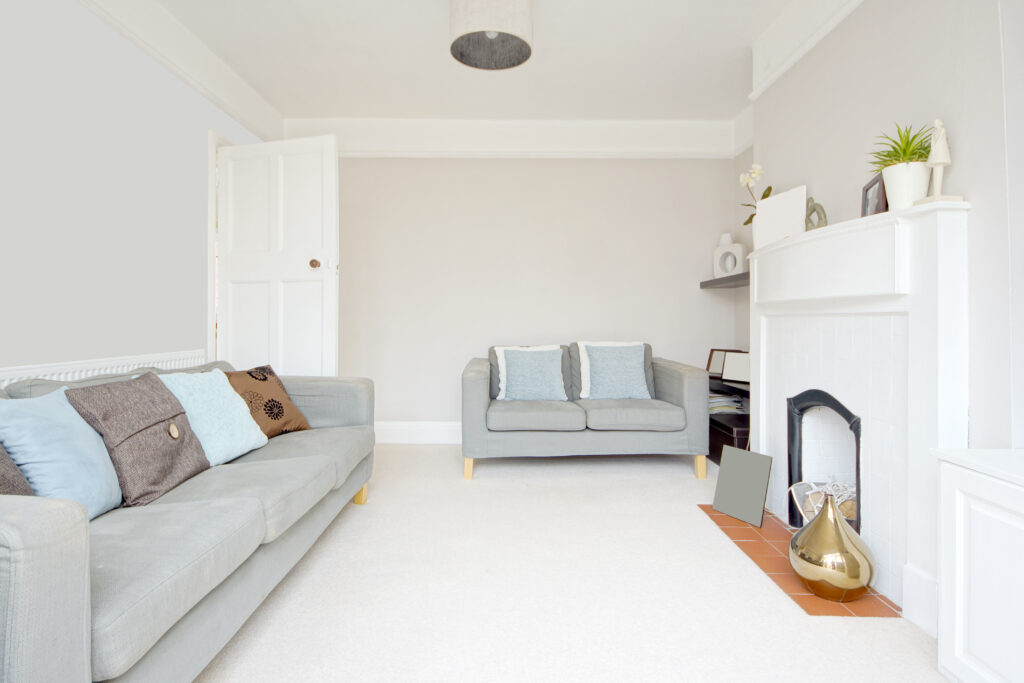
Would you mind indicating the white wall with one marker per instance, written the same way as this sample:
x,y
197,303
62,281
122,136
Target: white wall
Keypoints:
x,y
742,233
1012,16
103,215
817,123
443,258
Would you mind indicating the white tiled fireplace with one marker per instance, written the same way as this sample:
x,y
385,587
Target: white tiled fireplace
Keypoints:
x,y
874,312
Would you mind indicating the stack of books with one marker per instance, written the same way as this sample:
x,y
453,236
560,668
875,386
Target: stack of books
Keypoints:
x,y
724,403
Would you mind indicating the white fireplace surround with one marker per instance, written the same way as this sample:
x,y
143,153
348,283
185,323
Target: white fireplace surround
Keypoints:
x,y
873,311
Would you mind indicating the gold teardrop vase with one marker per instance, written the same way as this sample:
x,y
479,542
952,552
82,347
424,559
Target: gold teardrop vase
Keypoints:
x,y
830,558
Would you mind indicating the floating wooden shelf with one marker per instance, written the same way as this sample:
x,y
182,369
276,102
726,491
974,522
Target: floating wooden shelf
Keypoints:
x,y
727,282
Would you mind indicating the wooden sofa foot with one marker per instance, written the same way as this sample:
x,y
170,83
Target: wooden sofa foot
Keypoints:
x,y
700,466
360,497
467,468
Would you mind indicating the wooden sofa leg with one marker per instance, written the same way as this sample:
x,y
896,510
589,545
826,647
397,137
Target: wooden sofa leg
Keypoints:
x,y
467,468
700,466
360,497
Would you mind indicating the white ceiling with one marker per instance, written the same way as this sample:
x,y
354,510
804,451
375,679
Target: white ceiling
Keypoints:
x,y
592,59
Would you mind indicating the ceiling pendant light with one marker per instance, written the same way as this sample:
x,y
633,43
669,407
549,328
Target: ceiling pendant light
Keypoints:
x,y
491,34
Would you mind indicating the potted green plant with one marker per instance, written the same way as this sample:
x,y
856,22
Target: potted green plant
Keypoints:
x,y
901,160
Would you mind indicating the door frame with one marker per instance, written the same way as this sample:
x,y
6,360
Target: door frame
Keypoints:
x,y
214,141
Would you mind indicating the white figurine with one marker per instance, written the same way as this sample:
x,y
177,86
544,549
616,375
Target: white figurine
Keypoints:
x,y
938,160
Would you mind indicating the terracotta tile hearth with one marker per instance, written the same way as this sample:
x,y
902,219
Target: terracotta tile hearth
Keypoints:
x,y
768,548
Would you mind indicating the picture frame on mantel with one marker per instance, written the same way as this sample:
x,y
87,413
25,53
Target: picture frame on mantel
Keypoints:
x,y
872,197
782,215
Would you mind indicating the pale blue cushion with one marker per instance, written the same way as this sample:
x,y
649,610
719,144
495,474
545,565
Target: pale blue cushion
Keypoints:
x,y
617,372
58,452
534,375
219,417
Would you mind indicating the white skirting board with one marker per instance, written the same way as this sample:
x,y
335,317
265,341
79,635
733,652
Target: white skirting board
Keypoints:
x,y
82,369
418,432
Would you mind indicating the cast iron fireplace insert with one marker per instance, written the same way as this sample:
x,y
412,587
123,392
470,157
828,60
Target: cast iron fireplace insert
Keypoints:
x,y
797,406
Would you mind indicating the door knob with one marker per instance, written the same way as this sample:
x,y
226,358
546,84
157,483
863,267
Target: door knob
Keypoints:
x,y
313,263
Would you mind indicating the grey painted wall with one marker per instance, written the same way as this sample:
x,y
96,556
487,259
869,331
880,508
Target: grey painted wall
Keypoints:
x,y
103,215
817,123
443,258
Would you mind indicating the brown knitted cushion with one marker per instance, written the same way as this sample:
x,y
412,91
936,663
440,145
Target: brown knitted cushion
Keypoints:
x,y
268,402
12,481
144,427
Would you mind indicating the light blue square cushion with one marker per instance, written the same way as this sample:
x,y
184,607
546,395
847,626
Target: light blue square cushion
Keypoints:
x,y
534,375
219,417
617,372
58,452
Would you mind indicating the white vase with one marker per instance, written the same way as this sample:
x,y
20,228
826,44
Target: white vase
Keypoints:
x,y
905,183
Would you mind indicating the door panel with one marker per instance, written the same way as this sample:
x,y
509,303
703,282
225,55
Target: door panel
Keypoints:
x,y
277,266
302,326
301,202
247,308
248,204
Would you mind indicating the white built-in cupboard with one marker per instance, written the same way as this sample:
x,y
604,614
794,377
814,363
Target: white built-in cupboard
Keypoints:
x,y
981,565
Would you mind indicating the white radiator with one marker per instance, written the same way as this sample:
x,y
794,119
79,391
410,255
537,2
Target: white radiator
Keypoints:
x,y
75,370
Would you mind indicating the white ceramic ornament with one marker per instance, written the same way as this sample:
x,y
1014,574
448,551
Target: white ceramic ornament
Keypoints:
x,y
730,258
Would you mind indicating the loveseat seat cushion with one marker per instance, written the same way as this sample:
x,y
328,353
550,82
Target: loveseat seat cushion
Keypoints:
x,y
345,446
633,414
150,565
286,489
535,416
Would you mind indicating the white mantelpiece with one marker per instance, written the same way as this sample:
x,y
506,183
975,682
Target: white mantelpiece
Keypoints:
x,y
873,311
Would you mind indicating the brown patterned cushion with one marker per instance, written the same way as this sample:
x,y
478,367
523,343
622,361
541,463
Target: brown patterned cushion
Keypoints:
x,y
12,481
144,427
268,402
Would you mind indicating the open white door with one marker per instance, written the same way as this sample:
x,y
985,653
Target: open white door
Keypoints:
x,y
277,255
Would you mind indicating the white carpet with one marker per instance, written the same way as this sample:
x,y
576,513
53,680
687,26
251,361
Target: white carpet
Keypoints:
x,y
568,569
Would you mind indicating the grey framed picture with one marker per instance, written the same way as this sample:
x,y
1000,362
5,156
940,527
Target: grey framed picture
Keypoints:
x,y
742,485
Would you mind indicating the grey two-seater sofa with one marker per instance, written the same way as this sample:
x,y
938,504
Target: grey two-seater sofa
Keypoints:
x,y
674,422
154,593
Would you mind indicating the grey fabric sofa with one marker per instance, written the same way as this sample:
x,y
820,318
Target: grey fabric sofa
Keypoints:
x,y
153,593
674,422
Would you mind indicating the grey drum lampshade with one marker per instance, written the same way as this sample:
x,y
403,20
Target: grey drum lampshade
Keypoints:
x,y
491,34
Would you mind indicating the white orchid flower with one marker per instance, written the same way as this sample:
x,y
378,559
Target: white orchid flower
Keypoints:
x,y
746,180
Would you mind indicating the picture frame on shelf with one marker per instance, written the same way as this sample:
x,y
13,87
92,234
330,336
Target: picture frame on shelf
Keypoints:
x,y
716,361
736,367
872,197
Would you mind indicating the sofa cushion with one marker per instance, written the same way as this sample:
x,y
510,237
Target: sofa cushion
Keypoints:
x,y
576,377
633,414
533,374
492,358
149,566
613,371
541,416
345,446
12,481
218,415
268,401
285,489
147,434
60,455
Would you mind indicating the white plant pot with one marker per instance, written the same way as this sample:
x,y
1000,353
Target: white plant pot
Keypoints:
x,y
905,183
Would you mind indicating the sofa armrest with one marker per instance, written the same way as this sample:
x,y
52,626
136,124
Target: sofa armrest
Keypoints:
x,y
476,398
687,387
45,618
332,401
